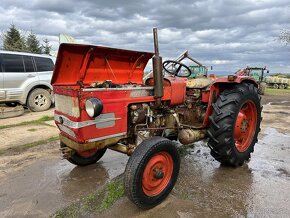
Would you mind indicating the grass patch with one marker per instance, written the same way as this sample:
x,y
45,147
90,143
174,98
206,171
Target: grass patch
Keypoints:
x,y
277,91
95,202
40,121
114,191
45,118
32,130
2,151
72,211
24,147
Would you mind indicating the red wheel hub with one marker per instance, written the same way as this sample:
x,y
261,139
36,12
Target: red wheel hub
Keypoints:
x,y
245,126
157,174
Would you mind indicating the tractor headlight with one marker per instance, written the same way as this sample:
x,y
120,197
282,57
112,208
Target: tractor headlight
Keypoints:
x,y
94,107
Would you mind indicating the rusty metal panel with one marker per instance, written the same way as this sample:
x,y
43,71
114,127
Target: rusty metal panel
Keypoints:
x,y
178,89
86,64
67,104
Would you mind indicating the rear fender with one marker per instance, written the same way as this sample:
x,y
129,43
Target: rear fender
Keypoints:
x,y
218,86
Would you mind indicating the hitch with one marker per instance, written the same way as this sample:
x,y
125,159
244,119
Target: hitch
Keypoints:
x,y
66,152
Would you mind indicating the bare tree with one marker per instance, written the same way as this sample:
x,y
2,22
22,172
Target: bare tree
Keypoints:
x,y
285,36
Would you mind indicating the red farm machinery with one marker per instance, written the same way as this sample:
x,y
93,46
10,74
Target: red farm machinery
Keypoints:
x,y
102,102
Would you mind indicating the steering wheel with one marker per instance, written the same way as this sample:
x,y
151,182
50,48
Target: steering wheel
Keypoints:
x,y
176,68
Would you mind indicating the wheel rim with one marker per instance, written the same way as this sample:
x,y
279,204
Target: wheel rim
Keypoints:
x,y
87,153
157,174
245,126
40,100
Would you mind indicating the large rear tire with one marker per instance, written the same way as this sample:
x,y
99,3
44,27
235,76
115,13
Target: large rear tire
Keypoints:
x,y
235,124
151,172
85,158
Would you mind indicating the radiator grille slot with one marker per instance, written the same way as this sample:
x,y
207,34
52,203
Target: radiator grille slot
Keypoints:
x,y
67,104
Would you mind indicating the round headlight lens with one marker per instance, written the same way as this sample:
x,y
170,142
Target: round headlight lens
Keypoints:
x,y
94,107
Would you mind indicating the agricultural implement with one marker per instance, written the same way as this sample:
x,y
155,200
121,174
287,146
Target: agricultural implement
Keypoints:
x,y
102,102
277,82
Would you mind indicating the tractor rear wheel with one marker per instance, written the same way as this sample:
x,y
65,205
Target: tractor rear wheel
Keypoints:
x,y
235,124
85,158
151,172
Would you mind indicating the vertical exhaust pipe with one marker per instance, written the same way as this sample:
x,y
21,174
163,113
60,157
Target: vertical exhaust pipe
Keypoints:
x,y
157,71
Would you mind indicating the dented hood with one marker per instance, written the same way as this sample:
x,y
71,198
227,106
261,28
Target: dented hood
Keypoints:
x,y
85,64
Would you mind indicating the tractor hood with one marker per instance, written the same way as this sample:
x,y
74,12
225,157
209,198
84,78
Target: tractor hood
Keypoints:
x,y
85,64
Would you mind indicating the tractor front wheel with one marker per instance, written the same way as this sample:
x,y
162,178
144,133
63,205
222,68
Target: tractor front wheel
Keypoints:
x,y
235,124
85,158
151,172
262,88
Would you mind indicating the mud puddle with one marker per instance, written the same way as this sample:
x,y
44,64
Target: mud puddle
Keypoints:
x,y
261,188
285,103
51,183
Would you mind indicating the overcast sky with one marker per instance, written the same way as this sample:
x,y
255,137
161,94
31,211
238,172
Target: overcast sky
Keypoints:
x,y
227,34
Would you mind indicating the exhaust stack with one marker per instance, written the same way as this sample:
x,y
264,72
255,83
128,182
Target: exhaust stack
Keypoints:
x,y
157,71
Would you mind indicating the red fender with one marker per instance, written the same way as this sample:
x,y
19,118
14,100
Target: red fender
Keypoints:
x,y
217,87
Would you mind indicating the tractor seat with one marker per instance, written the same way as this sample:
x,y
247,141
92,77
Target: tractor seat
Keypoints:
x,y
198,83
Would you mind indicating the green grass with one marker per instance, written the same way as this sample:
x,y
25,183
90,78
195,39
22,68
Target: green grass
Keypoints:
x,y
277,91
24,147
40,121
2,151
95,202
72,211
32,130
45,118
114,191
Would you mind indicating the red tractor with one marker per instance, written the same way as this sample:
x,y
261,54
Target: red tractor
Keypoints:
x,y
101,102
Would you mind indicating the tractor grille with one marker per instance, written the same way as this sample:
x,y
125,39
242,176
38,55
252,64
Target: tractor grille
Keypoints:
x,y
67,105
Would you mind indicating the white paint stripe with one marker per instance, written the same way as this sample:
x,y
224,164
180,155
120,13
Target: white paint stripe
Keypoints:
x,y
107,137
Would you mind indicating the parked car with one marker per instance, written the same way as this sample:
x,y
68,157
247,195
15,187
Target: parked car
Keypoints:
x,y
25,79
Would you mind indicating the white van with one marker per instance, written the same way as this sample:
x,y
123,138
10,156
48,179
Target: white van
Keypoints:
x,y
25,79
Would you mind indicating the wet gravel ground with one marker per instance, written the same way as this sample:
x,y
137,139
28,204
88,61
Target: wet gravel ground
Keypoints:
x,y
50,183
260,188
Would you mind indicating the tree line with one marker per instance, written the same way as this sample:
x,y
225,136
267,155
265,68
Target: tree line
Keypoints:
x,y
15,40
